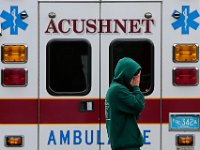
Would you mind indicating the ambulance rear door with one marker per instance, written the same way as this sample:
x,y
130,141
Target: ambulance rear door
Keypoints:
x,y
69,77
135,32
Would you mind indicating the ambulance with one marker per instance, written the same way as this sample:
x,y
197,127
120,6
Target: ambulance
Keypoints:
x,y
57,62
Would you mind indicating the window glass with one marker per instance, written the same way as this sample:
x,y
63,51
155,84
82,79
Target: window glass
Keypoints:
x,y
68,67
142,51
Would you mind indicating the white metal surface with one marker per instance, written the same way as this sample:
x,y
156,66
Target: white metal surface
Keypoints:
x,y
29,132
64,11
163,36
134,10
170,37
28,37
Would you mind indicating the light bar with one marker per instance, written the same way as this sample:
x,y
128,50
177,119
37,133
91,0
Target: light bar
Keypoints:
x,y
14,141
184,140
14,53
14,77
185,76
185,52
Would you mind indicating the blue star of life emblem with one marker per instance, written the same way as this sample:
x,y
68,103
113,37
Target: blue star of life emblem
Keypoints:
x,y
186,20
13,20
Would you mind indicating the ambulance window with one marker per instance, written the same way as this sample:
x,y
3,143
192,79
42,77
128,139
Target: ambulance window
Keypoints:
x,y
68,67
142,51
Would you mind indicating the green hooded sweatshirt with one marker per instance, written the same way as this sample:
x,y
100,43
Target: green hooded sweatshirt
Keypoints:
x,y
123,106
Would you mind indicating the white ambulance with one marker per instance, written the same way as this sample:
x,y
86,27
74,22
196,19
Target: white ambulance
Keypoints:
x,y
57,61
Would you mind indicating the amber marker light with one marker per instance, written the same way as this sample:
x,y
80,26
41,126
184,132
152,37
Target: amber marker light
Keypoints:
x,y
14,141
14,53
185,53
184,140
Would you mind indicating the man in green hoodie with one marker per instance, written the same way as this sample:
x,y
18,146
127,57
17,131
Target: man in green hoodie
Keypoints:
x,y
124,103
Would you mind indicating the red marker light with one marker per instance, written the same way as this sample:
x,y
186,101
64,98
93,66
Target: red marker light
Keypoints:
x,y
185,76
14,77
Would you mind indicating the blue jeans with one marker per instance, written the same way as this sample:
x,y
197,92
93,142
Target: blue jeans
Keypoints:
x,y
130,148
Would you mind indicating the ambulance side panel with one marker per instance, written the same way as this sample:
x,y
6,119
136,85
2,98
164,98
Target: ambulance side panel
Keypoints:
x,y
178,99
19,105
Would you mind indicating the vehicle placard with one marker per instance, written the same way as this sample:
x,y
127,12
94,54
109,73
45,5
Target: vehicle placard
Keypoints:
x,y
184,122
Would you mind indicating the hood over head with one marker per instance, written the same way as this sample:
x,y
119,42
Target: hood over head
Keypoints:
x,y
125,69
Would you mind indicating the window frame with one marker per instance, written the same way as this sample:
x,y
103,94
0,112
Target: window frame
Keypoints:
x,y
88,73
111,66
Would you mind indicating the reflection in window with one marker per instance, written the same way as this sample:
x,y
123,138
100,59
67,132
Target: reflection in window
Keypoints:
x,y
142,51
68,67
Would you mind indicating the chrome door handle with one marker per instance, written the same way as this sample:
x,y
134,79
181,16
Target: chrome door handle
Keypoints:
x,y
86,105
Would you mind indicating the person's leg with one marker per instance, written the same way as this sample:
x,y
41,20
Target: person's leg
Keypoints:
x,y
131,148
128,148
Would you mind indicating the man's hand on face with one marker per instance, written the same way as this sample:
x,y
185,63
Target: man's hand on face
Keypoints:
x,y
135,81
